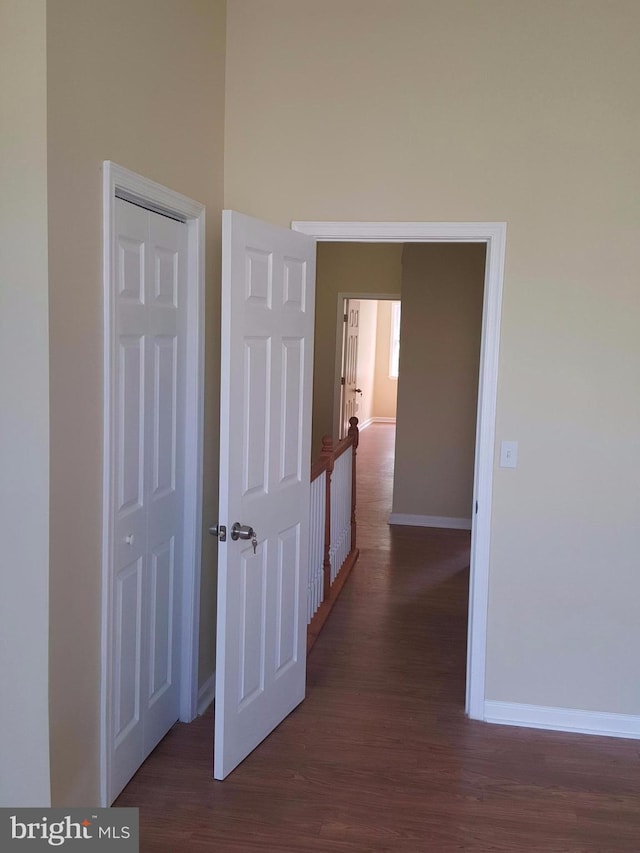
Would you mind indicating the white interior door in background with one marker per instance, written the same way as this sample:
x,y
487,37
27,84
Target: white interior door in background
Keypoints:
x,y
349,379
268,304
148,484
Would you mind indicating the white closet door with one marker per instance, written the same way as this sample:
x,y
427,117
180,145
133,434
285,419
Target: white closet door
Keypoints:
x,y
148,476
350,388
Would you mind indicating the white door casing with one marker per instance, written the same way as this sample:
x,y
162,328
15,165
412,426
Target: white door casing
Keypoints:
x,y
268,304
349,379
493,235
152,469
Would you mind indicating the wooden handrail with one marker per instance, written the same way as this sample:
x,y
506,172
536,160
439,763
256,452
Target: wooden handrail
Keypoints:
x,y
329,453
354,435
354,432
342,445
317,468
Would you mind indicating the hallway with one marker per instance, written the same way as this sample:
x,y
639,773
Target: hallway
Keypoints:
x,y
380,756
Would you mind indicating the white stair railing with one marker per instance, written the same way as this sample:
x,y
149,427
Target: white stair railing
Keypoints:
x,y
340,512
332,535
316,544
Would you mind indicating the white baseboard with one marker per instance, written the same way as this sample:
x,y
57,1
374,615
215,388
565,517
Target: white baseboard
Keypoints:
x,y
430,521
370,421
206,694
562,719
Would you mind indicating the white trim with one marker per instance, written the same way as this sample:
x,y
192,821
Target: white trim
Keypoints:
x,y
400,232
120,181
375,420
493,234
207,693
430,521
394,335
365,424
563,719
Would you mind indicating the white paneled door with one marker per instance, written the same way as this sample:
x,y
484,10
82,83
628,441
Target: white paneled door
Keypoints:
x,y
148,484
268,295
349,379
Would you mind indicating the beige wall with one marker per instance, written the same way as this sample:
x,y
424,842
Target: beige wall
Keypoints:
x,y
500,110
343,268
385,393
367,357
24,409
420,110
441,324
140,83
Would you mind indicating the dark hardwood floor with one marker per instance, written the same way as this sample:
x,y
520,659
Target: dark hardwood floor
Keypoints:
x,y
380,756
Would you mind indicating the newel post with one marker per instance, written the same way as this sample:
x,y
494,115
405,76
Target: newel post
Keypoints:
x,y
354,434
326,455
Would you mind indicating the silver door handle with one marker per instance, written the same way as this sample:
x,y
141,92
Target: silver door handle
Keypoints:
x,y
242,531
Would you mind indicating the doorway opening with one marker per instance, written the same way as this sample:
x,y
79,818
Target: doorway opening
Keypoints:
x,y
492,236
428,462
367,360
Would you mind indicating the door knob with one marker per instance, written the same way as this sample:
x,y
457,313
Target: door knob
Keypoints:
x,y
242,531
358,390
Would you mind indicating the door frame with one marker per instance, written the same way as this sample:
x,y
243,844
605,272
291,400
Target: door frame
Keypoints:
x,y
493,235
119,182
337,395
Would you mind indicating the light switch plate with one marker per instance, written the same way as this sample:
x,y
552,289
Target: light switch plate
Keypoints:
x,y
509,454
